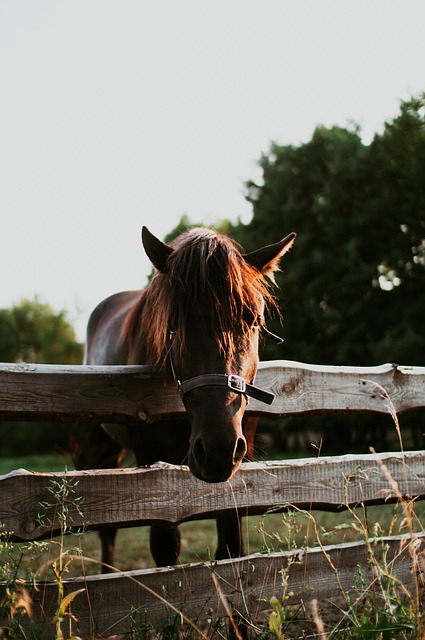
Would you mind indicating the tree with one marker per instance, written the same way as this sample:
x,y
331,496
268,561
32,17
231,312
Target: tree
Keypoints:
x,y
33,332
185,223
354,284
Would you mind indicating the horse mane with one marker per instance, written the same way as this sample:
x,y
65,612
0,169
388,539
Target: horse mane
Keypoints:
x,y
205,276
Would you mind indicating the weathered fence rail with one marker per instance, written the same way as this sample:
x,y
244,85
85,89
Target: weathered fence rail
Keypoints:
x,y
170,494
167,493
142,393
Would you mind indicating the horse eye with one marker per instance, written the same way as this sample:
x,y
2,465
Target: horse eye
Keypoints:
x,y
253,320
258,321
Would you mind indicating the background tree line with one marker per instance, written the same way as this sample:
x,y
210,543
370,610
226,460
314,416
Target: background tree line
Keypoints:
x,y
33,332
352,290
354,284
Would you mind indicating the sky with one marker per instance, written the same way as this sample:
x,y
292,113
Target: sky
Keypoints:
x,y
117,114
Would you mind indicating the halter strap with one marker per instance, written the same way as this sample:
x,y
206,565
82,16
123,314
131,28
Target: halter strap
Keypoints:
x,y
232,381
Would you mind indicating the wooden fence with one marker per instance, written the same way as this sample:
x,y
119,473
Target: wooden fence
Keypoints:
x,y
117,602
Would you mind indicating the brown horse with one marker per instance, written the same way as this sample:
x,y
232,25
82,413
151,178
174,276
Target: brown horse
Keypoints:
x,y
200,316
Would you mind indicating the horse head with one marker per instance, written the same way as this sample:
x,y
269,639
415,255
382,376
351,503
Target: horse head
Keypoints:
x,y
207,312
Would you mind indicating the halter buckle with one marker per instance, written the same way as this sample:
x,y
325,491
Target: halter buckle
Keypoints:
x,y
236,383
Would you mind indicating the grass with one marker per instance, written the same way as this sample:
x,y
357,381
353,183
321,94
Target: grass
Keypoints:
x,y
45,462
380,610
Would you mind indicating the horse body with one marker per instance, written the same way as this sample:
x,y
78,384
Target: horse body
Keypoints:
x,y
200,316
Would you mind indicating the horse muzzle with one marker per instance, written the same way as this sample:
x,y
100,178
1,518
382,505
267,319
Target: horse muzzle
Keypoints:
x,y
216,461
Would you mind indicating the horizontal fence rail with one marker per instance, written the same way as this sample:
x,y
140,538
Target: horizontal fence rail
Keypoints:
x,y
144,394
120,602
170,494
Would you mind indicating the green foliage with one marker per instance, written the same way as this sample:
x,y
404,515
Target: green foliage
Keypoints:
x,y
16,608
33,332
33,438
353,285
185,223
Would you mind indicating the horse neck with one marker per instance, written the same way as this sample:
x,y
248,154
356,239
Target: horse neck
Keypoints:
x,y
138,332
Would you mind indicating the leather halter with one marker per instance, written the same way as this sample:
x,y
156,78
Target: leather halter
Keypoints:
x,y
235,383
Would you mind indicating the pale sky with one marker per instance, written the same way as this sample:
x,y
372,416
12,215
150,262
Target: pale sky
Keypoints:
x,y
115,114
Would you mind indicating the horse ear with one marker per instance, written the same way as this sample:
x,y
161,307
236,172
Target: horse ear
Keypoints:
x,y
266,259
156,250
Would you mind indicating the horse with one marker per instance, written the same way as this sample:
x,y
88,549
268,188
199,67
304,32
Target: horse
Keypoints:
x,y
200,319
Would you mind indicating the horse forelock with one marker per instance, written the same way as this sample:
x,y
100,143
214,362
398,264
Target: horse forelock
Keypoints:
x,y
206,278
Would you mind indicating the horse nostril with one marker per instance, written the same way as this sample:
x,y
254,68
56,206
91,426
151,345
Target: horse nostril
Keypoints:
x,y
240,450
199,452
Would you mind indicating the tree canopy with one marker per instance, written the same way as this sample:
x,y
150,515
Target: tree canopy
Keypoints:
x,y
32,332
354,284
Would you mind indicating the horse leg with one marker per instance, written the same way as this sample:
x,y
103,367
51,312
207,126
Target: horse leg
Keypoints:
x,y
169,443
107,542
92,448
165,545
229,532
229,536
230,545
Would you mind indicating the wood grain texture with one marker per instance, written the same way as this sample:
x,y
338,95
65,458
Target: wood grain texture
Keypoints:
x,y
119,602
86,393
307,388
144,394
170,494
